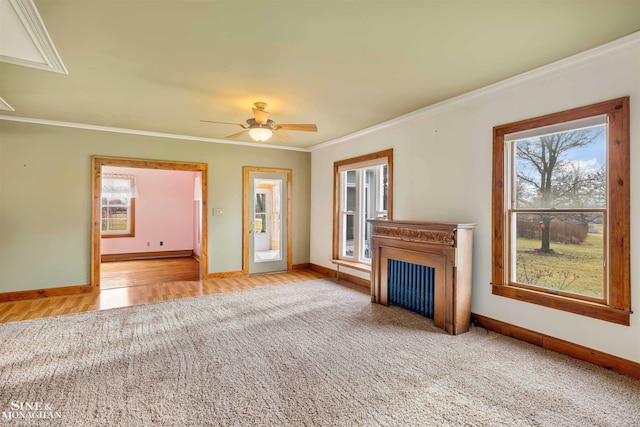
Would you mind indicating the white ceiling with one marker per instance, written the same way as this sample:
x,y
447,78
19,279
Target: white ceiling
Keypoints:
x,y
24,39
16,43
162,66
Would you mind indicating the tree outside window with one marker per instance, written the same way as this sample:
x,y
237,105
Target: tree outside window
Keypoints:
x,y
558,206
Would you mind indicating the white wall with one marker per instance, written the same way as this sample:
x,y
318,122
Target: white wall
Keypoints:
x,y
443,167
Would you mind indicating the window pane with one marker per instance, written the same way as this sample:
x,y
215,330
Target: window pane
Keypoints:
x,y
561,170
370,192
103,218
114,214
117,218
261,223
261,203
366,248
561,251
347,237
384,188
350,191
260,211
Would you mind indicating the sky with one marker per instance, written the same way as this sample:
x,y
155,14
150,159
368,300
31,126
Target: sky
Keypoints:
x,y
589,156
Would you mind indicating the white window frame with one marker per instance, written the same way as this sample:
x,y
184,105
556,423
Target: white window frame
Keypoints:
x,y
130,205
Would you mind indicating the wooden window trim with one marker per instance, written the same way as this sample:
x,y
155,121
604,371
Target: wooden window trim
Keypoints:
x,y
617,308
336,193
97,162
246,171
132,223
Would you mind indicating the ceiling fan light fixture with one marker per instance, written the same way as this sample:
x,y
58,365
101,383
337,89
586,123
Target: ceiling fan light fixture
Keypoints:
x,y
260,134
261,128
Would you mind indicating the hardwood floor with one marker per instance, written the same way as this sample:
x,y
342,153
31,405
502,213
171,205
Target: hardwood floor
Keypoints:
x,y
144,293
124,274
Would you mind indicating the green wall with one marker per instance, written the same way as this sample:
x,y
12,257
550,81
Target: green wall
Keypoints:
x,y
45,198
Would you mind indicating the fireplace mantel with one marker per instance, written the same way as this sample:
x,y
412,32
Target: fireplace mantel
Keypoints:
x,y
445,247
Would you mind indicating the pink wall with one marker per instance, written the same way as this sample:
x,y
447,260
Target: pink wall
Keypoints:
x,y
164,212
197,223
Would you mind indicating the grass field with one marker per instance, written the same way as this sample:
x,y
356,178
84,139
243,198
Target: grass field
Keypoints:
x,y
571,268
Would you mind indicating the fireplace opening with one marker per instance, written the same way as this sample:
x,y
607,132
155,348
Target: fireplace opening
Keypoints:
x,y
411,286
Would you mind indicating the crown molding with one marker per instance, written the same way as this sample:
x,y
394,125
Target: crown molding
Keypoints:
x,y
143,132
629,42
4,105
30,18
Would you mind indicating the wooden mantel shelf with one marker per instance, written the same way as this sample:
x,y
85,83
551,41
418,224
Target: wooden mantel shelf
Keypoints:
x,y
436,233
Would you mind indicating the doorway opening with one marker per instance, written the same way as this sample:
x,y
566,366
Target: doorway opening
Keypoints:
x,y
133,200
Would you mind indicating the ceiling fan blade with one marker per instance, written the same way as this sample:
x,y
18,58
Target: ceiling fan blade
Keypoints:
x,y
226,123
305,127
236,135
261,116
281,136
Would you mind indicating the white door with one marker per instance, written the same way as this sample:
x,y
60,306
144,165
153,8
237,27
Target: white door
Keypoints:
x,y
267,222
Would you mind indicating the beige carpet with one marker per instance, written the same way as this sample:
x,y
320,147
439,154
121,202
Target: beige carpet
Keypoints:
x,y
309,354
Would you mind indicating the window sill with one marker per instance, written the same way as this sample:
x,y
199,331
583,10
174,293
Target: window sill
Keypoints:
x,y
351,264
584,308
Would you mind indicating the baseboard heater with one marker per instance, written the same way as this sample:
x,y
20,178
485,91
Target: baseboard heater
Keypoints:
x,y
146,255
424,267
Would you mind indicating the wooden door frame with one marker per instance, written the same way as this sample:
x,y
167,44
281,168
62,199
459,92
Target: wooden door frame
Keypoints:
x,y
96,180
246,170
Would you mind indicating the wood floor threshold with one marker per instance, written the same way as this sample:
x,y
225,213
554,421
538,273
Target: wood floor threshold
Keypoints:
x,y
605,360
225,274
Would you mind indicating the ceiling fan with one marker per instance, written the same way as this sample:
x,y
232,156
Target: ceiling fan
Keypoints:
x,y
261,127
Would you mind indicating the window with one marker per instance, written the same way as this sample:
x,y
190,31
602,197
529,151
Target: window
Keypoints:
x,y
261,222
117,205
362,188
561,211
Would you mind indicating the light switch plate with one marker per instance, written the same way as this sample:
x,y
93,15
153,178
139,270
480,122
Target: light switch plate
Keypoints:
x,y
217,211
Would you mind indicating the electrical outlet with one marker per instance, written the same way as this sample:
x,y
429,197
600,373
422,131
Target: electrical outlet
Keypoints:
x,y
161,243
217,211
148,243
